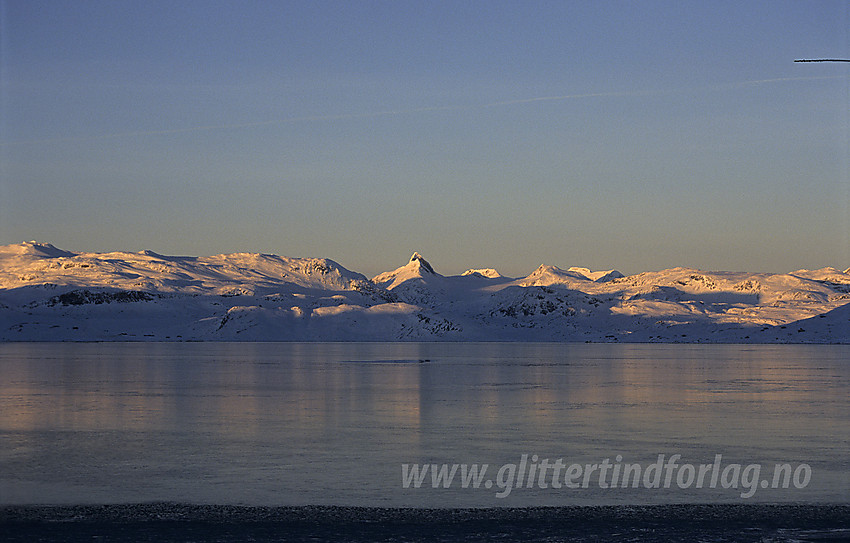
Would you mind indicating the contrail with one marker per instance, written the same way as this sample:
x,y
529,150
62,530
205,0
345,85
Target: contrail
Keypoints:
x,y
776,80
341,116
567,97
724,86
393,112
822,60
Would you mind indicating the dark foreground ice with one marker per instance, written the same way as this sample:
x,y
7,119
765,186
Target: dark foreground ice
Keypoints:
x,y
181,522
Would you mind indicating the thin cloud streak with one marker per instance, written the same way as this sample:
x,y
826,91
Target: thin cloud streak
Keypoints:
x,y
568,97
779,80
387,113
309,118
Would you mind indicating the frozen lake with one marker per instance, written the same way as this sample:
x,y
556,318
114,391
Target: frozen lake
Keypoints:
x,y
333,424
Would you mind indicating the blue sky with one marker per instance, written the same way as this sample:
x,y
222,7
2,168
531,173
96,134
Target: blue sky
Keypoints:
x,y
628,135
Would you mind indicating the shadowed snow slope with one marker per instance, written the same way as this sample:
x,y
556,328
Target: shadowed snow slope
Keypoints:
x,y
47,294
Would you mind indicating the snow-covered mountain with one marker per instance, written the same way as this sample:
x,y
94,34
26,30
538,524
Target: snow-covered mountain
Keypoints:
x,y
48,294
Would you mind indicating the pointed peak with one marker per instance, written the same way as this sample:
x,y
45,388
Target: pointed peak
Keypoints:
x,y
416,268
422,262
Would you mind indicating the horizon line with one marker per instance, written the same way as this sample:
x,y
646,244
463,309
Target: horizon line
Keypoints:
x,y
150,252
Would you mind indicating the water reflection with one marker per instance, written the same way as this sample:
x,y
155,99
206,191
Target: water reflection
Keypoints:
x,y
331,423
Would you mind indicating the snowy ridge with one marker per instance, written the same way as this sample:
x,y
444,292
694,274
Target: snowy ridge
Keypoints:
x,y
598,276
553,275
48,294
490,273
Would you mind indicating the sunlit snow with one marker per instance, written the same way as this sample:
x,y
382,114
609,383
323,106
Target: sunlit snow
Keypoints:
x,y
48,294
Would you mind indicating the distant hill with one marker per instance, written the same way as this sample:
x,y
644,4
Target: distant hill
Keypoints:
x,y
48,294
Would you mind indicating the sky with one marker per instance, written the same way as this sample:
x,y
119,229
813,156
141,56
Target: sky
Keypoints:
x,y
621,135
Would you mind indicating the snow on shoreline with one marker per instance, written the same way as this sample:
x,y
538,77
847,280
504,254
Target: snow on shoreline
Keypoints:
x,y
48,294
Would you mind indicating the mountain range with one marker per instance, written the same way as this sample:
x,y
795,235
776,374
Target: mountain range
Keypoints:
x,y
49,294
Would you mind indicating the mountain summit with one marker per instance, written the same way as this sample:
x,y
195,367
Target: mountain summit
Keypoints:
x,y
416,268
419,260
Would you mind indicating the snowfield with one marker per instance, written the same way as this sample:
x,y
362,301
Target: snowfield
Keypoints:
x,y
48,294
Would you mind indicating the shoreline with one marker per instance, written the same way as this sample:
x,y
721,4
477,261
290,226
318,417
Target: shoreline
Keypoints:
x,y
188,522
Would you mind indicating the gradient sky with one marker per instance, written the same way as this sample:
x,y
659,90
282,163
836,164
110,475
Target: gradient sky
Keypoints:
x,y
627,135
